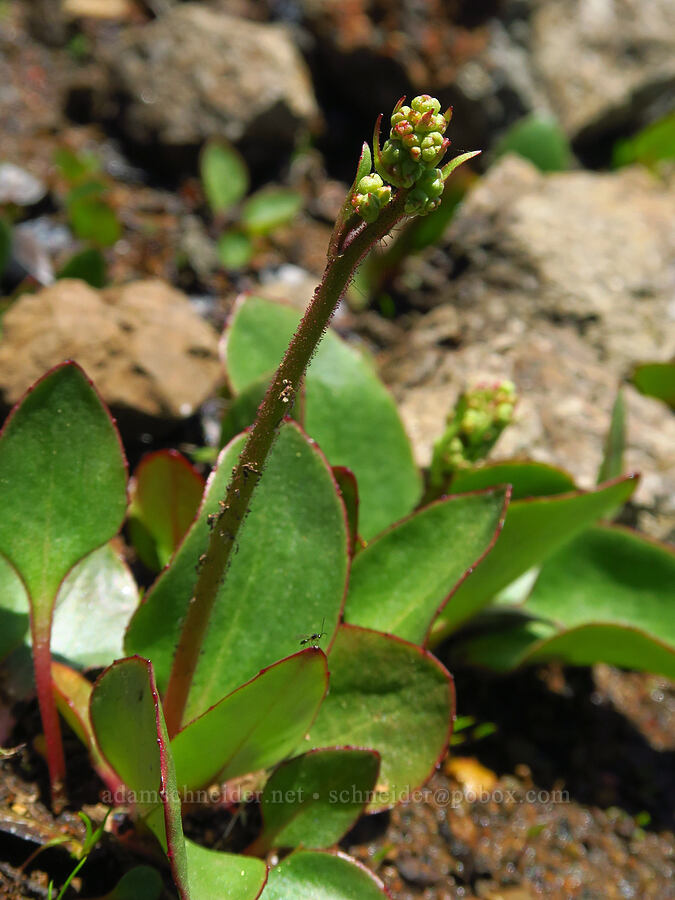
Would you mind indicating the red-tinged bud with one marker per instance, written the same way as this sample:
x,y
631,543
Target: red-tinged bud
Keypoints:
x,y
447,115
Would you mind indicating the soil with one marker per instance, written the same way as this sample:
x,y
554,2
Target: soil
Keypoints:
x,y
571,796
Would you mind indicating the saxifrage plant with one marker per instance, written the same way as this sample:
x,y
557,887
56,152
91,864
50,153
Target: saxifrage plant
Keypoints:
x,y
307,525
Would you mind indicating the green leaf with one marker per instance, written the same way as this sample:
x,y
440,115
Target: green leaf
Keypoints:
x,y
346,408
5,244
313,800
539,139
269,208
254,727
527,478
127,718
224,175
402,579
223,876
235,249
651,146
139,882
391,696
93,607
656,380
73,695
166,492
128,722
14,616
88,265
288,575
606,596
92,219
533,530
309,875
612,461
75,166
62,482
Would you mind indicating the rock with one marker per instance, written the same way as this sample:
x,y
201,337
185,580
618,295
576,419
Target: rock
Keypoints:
x,y
196,72
602,61
594,250
149,354
566,282
19,187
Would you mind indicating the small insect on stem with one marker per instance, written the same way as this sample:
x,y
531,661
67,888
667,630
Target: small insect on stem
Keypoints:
x,y
314,639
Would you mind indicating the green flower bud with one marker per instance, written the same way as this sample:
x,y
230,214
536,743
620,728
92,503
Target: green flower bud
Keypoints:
x,y
370,196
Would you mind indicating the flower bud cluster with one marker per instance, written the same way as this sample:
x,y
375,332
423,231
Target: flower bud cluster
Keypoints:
x,y
370,195
410,159
473,427
416,142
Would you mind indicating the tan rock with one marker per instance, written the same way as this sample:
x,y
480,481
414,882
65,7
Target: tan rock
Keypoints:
x,y
144,347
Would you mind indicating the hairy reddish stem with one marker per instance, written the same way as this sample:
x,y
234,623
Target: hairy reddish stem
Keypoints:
x,y
246,475
56,763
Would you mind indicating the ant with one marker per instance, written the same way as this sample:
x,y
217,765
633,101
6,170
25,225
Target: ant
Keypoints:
x,y
314,639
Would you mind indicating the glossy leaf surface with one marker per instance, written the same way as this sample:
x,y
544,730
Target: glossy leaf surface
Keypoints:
x,y
533,530
402,578
308,875
339,381
313,800
527,479
256,726
606,596
93,607
287,577
14,616
390,696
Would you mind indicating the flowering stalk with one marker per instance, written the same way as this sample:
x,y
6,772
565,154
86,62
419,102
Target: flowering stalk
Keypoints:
x,y
370,211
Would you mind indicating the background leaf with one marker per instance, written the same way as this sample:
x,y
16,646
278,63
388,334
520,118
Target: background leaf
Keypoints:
x,y
606,596
235,249
93,607
288,575
401,579
308,875
14,616
339,381
539,139
391,696
656,380
223,876
256,726
269,208
313,800
224,175
527,479
533,530
166,492
88,265
612,460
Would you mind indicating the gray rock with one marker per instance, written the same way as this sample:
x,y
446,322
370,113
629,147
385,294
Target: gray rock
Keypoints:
x,y
602,61
594,250
197,72
149,354
568,281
